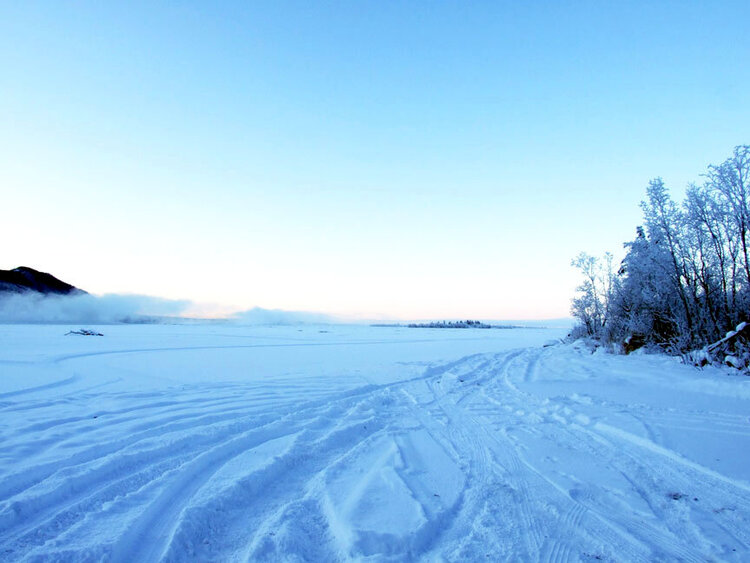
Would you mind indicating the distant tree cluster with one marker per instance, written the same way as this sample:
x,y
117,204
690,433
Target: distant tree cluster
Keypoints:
x,y
451,324
685,280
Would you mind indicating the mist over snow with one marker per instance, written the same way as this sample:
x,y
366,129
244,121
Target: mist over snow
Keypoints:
x,y
260,316
33,307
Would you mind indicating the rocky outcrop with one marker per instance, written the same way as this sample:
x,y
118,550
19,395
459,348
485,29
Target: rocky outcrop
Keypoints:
x,y
23,279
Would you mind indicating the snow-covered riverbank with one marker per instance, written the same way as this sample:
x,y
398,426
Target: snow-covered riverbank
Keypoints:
x,y
223,443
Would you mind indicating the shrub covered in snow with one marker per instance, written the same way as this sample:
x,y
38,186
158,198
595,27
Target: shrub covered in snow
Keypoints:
x,y
733,350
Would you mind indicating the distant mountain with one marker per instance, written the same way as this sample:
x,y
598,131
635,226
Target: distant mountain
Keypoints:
x,y
23,279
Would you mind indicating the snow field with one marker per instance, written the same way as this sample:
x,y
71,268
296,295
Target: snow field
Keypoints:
x,y
355,443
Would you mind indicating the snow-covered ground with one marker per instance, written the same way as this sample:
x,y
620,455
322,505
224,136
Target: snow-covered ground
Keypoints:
x,y
223,443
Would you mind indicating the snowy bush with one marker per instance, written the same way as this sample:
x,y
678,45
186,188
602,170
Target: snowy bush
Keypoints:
x,y
733,350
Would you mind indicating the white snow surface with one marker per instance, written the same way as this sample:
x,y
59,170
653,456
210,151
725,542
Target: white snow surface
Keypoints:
x,y
336,443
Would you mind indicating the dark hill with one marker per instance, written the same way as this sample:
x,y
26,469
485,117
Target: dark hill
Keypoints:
x,y
23,279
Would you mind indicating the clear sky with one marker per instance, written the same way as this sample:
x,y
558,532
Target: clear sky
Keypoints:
x,y
367,159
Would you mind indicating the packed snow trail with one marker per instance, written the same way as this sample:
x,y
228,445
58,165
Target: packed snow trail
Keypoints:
x,y
529,454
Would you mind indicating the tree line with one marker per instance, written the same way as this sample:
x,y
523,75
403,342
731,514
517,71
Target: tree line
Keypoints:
x,y
685,278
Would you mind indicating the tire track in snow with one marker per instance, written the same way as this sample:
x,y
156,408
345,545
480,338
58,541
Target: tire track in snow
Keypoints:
x,y
255,501
39,501
491,470
676,476
146,424
164,478
60,383
670,534
369,545
68,357
271,509
546,494
620,523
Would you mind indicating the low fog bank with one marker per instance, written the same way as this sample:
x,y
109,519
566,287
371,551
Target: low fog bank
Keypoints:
x,y
33,307
260,316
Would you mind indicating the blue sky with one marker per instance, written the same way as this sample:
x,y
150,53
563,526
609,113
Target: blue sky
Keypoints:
x,y
383,159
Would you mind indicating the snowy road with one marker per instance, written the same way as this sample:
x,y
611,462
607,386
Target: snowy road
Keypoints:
x,y
175,443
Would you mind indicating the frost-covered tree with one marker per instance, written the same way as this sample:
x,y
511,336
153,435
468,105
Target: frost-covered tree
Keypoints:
x,y
730,181
591,304
685,280
713,262
641,306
